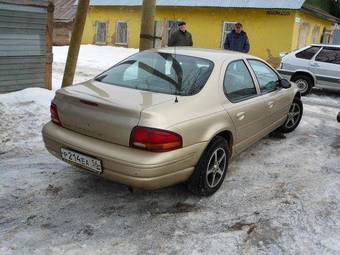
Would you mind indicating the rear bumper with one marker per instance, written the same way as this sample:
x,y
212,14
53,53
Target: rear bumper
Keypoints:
x,y
133,167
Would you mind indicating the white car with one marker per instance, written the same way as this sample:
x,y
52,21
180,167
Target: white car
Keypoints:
x,y
316,65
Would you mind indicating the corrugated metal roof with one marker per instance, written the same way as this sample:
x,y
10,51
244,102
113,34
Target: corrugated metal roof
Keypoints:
x,y
268,4
64,10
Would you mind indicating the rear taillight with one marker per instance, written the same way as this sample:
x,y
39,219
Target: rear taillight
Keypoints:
x,y
54,114
156,140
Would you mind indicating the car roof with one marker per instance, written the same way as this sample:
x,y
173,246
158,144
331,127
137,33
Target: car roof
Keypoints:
x,y
211,54
325,45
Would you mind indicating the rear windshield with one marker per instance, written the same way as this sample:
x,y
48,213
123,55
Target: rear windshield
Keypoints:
x,y
160,72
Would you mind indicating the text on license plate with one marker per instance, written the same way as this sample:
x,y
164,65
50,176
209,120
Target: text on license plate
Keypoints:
x,y
87,162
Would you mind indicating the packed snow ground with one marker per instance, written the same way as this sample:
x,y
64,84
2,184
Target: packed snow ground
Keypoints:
x,y
279,196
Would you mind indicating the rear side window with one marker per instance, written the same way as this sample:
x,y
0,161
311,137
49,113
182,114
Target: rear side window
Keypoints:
x,y
329,55
238,84
308,53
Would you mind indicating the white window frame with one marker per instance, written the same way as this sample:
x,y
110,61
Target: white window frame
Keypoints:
x,y
223,34
97,24
127,32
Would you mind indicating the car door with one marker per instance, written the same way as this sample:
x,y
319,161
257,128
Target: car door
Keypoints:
x,y
326,67
243,105
277,100
302,59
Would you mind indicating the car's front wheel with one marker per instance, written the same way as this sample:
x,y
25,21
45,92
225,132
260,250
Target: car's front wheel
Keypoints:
x,y
211,169
294,116
304,83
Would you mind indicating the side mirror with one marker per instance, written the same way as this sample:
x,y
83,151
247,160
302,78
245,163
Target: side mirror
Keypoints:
x,y
284,83
338,118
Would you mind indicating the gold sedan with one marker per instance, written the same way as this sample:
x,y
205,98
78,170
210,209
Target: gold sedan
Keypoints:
x,y
171,115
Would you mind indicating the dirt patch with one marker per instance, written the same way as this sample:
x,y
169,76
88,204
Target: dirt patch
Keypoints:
x,y
52,190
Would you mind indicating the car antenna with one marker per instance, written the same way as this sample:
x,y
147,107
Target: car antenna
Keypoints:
x,y
177,92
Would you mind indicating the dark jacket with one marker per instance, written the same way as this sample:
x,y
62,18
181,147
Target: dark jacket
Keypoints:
x,y
179,38
237,42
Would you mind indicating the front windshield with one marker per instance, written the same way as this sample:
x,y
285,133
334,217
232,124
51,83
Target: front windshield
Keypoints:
x,y
160,72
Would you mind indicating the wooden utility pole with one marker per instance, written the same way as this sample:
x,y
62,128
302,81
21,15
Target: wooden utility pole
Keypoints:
x,y
49,45
147,25
77,34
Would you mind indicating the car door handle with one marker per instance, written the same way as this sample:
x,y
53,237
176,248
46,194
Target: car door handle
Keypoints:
x,y
314,65
270,104
241,115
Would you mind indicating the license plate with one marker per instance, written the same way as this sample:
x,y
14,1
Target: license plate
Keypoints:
x,y
91,164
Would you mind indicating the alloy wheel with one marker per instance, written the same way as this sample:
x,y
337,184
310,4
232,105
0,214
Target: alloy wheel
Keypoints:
x,y
293,115
216,167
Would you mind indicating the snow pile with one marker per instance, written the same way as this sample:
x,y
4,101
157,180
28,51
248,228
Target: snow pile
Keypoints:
x,y
92,61
92,56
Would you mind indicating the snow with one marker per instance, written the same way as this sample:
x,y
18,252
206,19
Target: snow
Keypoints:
x,y
279,196
92,61
92,56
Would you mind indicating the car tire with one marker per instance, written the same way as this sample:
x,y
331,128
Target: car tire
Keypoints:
x,y
212,164
294,116
305,83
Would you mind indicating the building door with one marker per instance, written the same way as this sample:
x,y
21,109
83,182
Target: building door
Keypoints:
x,y
316,34
303,35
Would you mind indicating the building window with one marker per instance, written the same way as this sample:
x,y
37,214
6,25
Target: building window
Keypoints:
x,y
122,33
327,37
172,27
101,28
227,28
316,34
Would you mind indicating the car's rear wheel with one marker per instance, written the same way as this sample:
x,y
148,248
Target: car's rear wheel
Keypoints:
x,y
211,169
304,82
294,116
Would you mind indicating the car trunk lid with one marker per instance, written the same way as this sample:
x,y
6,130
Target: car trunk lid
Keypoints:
x,y
103,111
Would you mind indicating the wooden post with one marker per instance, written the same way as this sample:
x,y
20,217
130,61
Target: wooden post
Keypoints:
x,y
147,25
49,46
77,34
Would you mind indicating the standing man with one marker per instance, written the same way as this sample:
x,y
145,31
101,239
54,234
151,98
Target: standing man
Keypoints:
x,y
181,37
237,40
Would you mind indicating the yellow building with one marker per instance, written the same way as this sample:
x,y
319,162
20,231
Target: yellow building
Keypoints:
x,y
273,26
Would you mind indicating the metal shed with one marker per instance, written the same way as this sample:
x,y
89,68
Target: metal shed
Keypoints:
x,y
25,44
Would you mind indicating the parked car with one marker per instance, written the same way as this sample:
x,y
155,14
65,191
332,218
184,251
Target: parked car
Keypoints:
x,y
314,66
172,115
